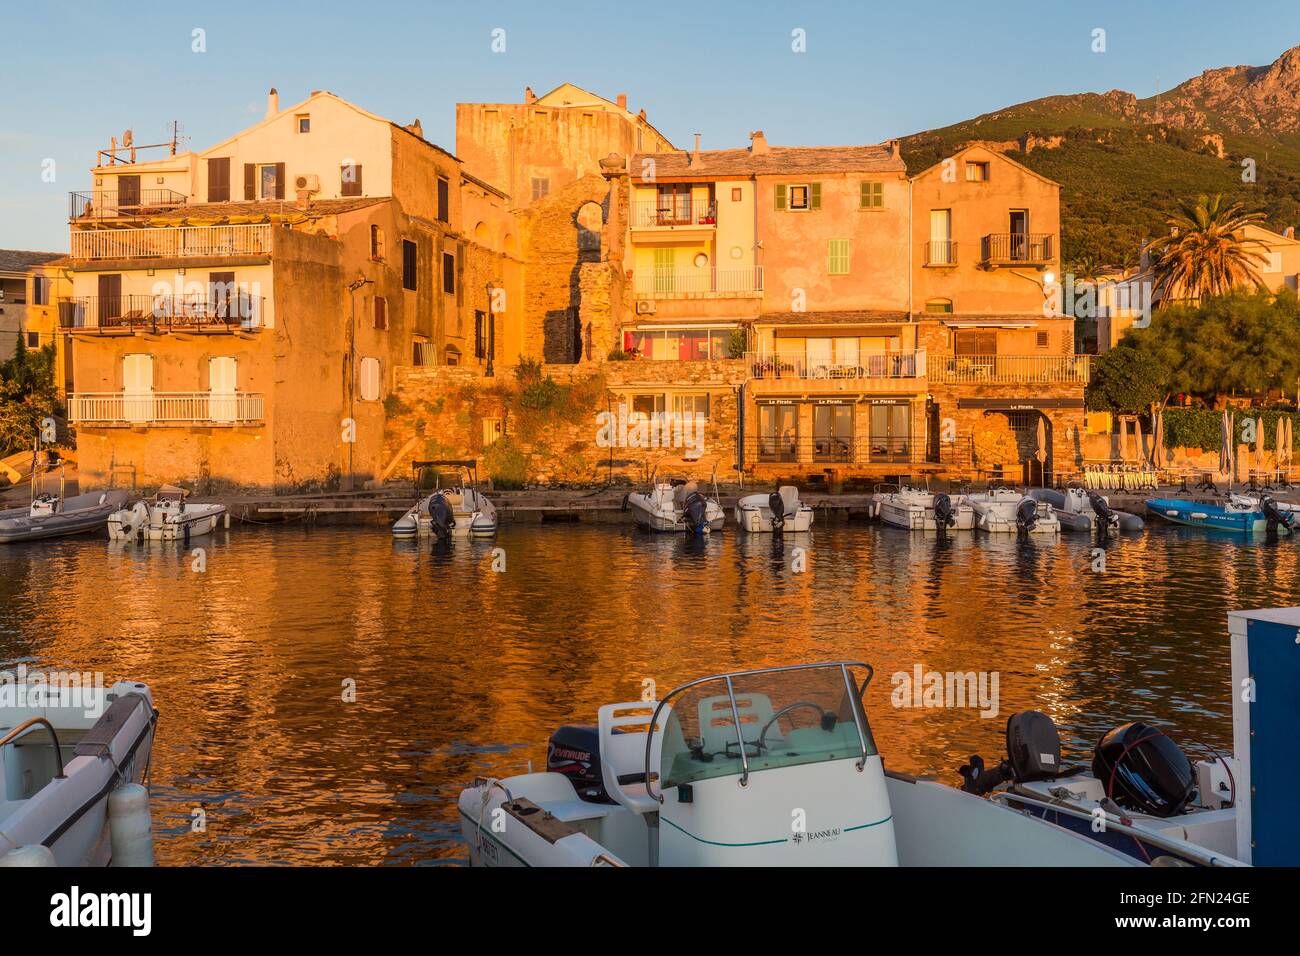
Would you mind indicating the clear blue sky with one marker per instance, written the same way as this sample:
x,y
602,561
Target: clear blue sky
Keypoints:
x,y
75,73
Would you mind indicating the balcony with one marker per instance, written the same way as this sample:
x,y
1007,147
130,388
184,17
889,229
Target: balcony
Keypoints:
x,y
940,252
700,283
161,313
180,242
1012,370
115,204
899,372
1017,249
700,214
125,410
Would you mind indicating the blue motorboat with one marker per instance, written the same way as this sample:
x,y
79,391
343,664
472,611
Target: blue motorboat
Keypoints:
x,y
1245,514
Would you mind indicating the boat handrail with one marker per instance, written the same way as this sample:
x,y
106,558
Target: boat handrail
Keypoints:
x,y
854,692
27,725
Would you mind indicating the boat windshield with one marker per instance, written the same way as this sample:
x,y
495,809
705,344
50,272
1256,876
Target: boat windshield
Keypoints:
x,y
786,716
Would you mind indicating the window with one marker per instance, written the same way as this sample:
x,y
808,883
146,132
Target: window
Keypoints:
x,y
837,258
219,179
33,340
871,195
681,345
541,187
381,312
270,177
735,194
977,172
1040,340
444,202
644,406
799,197
370,379
975,342
480,335
493,429
452,355
939,305
376,244
1273,262
40,290
304,123
350,179
421,352
409,261
448,273
691,405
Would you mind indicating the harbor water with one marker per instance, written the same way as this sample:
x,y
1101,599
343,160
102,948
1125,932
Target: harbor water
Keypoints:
x,y
326,692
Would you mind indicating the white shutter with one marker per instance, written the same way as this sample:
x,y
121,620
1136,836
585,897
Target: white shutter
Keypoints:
x,y
370,379
137,388
223,378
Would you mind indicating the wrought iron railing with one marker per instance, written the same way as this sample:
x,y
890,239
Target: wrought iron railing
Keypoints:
x,y
173,242
898,364
1011,369
157,313
1018,247
667,212
831,449
115,204
165,408
940,252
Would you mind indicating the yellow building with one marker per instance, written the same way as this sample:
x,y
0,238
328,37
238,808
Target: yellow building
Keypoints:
x,y
31,284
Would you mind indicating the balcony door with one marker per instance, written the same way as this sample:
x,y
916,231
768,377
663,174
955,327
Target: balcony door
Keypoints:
x,y
778,433
891,432
833,433
940,236
222,381
665,264
128,192
674,205
108,305
137,388
1018,227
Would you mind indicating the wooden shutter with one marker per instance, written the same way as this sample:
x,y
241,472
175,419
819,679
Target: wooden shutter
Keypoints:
x,y
381,312
443,201
351,180
250,180
279,180
408,265
128,192
781,202
814,195
219,179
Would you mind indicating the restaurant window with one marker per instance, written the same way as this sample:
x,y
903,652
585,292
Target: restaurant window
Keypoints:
x,y
409,261
448,273
939,305
678,345
444,202
381,312
837,257
871,195
376,244
975,342
691,405
833,433
370,379
977,172
350,179
778,433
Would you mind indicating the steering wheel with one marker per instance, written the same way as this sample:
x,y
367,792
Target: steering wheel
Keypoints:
x,y
782,712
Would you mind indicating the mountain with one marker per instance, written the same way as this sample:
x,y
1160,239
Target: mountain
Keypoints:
x,y
1125,163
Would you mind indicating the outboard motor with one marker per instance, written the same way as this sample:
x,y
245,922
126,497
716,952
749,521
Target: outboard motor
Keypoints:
x,y
777,504
1033,753
1143,770
1026,514
440,517
1106,518
944,514
697,511
574,751
1274,515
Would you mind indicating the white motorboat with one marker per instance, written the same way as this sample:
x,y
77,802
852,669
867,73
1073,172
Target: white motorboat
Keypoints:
x,y
1083,509
459,511
772,767
918,510
1007,511
168,517
1141,795
778,512
676,504
72,758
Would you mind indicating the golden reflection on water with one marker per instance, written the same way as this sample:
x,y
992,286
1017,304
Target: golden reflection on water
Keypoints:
x,y
459,670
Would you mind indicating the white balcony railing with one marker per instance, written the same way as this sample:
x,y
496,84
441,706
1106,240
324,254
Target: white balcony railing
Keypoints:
x,y
1012,369
165,408
799,365
175,242
712,283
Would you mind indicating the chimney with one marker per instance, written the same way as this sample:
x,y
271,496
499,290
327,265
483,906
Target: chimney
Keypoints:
x,y
529,96
272,103
622,102
758,143
695,156
892,144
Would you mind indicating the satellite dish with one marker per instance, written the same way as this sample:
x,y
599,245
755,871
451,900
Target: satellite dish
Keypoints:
x,y
127,138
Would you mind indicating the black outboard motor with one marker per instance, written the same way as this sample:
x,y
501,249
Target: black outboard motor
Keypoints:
x,y
574,750
440,517
697,511
944,514
1033,753
1142,769
777,504
1026,514
1106,518
1274,515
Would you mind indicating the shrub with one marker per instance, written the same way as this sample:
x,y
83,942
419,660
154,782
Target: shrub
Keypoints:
x,y
505,464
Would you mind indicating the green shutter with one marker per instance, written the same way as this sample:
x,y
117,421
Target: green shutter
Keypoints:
x,y
872,195
780,196
837,257
814,195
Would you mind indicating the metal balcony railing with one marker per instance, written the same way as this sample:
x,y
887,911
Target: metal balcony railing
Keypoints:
x,y
940,252
1012,369
1013,247
115,204
716,283
865,365
828,449
647,215
162,313
125,409
174,242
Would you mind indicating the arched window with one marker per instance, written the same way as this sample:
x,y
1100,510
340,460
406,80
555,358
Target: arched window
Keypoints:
x,y
376,243
938,305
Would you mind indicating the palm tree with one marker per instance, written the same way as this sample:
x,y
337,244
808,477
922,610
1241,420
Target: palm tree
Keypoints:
x,y
1206,253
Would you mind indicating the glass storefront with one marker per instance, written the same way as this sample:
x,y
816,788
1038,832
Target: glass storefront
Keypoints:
x,y
682,345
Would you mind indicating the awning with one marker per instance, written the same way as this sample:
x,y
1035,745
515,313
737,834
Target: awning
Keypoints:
x,y
1019,404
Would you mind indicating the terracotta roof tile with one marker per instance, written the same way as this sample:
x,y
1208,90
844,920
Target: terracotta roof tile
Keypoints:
x,y
777,161
841,317
21,260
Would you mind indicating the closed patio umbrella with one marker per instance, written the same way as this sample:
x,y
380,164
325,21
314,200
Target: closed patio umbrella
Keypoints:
x,y
1284,444
1226,436
1158,440
1137,440
1041,453
1259,444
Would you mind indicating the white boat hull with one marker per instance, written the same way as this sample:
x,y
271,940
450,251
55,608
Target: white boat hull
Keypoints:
x,y
465,523
917,517
166,524
651,517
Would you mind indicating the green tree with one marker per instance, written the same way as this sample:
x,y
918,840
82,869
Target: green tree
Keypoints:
x,y
1206,253
27,395
1127,380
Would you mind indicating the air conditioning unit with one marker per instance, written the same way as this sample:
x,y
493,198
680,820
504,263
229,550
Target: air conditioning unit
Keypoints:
x,y
645,307
309,183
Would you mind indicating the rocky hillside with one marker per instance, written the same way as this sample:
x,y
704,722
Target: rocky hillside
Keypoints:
x,y
1124,163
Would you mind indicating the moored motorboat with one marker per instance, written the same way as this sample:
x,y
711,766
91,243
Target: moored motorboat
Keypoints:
x,y
778,512
1243,514
1002,510
917,509
72,759
708,775
457,511
168,517
676,504
1083,509
53,516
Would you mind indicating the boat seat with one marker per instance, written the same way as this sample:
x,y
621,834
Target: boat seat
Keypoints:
x,y
789,499
622,729
718,726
